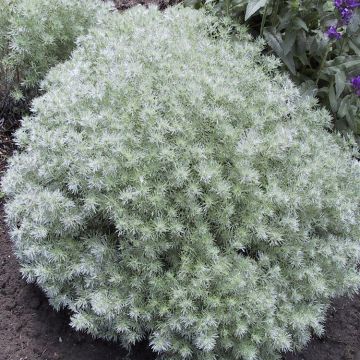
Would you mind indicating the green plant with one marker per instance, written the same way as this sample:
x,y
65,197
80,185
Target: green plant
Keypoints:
x,y
174,185
36,35
318,41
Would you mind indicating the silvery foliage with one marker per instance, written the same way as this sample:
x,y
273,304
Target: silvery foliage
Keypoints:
x,y
175,185
37,34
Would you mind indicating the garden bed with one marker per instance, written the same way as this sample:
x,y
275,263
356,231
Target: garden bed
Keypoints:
x,y
30,329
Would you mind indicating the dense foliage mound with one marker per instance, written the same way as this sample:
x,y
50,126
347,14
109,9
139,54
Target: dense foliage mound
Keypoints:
x,y
36,35
171,184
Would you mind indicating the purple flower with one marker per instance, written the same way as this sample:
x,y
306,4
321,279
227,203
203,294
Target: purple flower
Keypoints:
x,y
345,8
355,82
332,33
340,4
352,3
346,15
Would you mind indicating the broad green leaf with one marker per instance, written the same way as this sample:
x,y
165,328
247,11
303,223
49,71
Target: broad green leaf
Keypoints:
x,y
301,47
276,43
253,6
300,24
332,98
348,64
343,108
354,47
289,41
340,82
354,24
238,5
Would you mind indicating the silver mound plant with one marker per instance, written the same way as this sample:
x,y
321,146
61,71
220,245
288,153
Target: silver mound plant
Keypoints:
x,y
38,34
171,184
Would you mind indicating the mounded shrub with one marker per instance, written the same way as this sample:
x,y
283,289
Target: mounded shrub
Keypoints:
x,y
36,35
172,184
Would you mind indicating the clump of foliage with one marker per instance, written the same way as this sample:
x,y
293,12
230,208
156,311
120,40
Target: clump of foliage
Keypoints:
x,y
318,41
172,184
36,35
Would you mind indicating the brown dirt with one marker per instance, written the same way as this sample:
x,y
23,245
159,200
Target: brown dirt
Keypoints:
x,y
341,340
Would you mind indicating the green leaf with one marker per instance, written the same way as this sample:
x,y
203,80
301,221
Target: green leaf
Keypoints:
x,y
354,24
340,82
253,6
347,63
301,47
343,108
300,24
275,41
354,47
289,41
332,98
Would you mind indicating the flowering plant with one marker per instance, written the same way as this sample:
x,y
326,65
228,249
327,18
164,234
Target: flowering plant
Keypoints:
x,y
346,8
355,82
318,42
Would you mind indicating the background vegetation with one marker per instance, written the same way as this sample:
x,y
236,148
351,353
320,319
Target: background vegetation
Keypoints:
x,y
318,42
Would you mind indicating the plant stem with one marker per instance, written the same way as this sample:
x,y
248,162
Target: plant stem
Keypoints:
x,y
275,10
264,18
227,5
